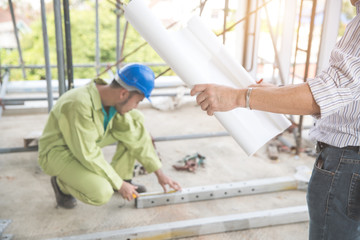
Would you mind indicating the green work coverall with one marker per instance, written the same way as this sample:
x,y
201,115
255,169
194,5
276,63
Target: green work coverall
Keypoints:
x,y
71,142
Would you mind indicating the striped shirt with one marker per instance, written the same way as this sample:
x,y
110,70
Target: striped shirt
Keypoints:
x,y
337,91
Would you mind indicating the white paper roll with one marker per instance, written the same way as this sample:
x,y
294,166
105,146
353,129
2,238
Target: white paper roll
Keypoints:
x,y
196,56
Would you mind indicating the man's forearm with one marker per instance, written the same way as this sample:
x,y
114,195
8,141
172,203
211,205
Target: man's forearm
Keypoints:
x,y
290,99
159,173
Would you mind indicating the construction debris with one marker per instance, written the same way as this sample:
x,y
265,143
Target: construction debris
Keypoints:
x,y
139,170
272,150
190,162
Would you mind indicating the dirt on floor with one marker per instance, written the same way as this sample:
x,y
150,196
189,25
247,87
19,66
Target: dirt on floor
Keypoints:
x,y
26,196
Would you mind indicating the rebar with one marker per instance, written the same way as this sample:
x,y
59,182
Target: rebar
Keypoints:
x,y
242,19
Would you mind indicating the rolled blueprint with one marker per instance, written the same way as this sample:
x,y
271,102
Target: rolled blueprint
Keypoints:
x,y
196,56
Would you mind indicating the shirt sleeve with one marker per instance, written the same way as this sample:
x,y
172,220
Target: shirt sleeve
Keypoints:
x,y
129,129
80,134
338,85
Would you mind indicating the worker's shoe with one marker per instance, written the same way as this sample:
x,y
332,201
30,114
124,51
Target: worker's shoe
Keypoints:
x,y
63,200
140,189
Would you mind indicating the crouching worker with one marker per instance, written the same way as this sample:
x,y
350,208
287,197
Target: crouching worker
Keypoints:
x,y
88,118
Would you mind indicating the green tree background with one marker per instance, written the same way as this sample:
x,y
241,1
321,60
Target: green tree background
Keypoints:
x,y
83,43
82,15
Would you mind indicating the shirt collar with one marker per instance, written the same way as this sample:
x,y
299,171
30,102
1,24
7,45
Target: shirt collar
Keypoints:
x,y
95,93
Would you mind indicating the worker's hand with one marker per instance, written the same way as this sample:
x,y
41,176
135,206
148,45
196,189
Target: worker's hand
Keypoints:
x,y
165,180
128,191
212,97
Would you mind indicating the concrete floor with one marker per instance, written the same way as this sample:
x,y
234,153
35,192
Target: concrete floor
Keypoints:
x,y
26,196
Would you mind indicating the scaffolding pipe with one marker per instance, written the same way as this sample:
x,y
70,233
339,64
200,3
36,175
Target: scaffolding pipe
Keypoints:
x,y
255,41
21,101
162,73
329,32
123,41
246,35
123,58
226,11
18,87
46,55
306,74
18,149
274,46
287,38
191,136
69,62
97,47
4,83
0,67
80,65
242,19
59,47
311,31
201,6
17,37
118,29
297,42
156,139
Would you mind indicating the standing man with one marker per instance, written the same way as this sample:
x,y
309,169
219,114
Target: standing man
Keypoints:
x,y
88,118
333,97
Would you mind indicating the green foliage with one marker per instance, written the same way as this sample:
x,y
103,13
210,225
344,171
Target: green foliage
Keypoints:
x,y
83,43
348,11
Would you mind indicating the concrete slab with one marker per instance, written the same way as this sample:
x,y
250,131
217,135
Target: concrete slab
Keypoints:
x,y
28,199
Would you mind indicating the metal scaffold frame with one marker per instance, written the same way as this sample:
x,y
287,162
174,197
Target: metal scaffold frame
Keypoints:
x,y
203,226
156,139
192,227
219,191
120,46
61,66
217,224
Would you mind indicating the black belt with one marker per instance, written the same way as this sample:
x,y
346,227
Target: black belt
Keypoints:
x,y
320,146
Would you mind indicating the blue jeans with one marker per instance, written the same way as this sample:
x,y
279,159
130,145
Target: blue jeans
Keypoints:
x,y
334,195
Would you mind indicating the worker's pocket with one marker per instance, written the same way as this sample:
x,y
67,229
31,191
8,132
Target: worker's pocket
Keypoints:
x,y
319,162
318,191
325,168
353,209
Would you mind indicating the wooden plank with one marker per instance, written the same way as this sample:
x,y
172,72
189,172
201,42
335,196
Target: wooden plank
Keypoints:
x,y
32,139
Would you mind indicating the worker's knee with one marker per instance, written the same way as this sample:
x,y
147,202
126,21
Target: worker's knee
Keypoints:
x,y
102,195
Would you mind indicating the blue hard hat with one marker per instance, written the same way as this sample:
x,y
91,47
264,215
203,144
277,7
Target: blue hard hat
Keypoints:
x,y
137,77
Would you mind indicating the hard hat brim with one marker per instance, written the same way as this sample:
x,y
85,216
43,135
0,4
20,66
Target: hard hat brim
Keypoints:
x,y
129,88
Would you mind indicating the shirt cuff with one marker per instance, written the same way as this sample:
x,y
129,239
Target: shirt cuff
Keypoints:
x,y
116,182
152,166
328,96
